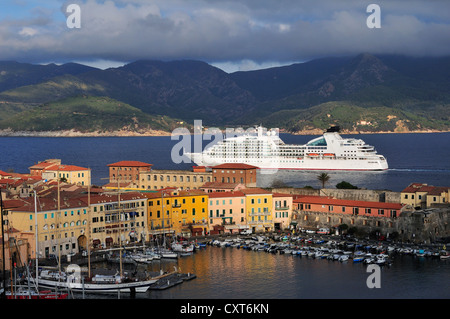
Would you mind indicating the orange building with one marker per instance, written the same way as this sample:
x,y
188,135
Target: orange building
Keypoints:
x,y
233,173
325,204
127,171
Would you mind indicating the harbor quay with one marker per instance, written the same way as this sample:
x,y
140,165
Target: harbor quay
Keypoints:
x,y
53,214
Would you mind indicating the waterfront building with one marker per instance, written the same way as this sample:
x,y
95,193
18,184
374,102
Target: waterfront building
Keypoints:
x,y
182,179
118,218
59,227
52,169
282,210
325,204
227,209
418,195
39,168
62,225
16,247
258,205
233,173
177,212
71,174
127,171
212,187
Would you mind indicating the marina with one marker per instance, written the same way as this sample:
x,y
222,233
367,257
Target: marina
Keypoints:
x,y
290,266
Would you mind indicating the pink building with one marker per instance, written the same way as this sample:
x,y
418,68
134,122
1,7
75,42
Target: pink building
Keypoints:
x,y
282,210
227,209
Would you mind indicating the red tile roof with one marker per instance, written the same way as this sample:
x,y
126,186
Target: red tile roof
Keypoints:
x,y
42,165
323,200
220,185
417,187
282,195
66,168
130,164
255,191
226,194
235,166
2,173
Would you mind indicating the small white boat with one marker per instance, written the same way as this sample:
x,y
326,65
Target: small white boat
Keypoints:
x,y
444,255
182,247
343,258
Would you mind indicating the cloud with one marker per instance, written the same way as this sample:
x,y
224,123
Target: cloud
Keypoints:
x,y
247,32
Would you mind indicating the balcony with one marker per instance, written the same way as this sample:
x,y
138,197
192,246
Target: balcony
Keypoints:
x,y
266,213
281,207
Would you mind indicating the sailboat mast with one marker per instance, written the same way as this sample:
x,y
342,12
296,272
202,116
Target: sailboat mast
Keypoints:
x,y
3,245
120,226
88,244
36,236
58,226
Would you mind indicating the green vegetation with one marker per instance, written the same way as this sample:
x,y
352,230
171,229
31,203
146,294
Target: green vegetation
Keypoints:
x,y
364,93
352,117
345,185
87,114
323,178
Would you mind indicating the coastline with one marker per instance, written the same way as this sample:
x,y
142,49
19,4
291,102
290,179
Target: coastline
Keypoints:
x,y
74,133
142,133
320,132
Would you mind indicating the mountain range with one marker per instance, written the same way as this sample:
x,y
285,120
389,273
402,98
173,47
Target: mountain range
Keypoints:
x,y
363,93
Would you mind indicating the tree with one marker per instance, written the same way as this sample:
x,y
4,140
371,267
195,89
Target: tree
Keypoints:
x,y
323,178
345,185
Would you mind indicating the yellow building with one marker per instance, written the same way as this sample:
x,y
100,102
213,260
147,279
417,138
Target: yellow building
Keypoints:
x,y
177,212
62,228
258,205
59,229
419,195
70,173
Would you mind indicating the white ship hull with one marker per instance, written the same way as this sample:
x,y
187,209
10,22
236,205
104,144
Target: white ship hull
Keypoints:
x,y
268,151
125,287
296,164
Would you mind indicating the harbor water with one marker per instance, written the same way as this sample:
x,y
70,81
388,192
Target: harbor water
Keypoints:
x,y
235,273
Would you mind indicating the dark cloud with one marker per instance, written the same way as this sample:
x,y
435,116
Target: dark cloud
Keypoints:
x,y
262,31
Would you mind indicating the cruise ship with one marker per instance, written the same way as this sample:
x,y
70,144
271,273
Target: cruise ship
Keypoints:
x,y
264,149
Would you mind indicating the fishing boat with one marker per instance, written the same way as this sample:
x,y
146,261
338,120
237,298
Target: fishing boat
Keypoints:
x,y
24,292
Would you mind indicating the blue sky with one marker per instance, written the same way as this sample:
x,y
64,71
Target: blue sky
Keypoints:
x,y
231,34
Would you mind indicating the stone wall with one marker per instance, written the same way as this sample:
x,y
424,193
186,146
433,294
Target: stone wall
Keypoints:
x,y
295,191
423,226
362,195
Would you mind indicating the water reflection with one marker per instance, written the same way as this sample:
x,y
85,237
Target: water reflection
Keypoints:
x,y
230,273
